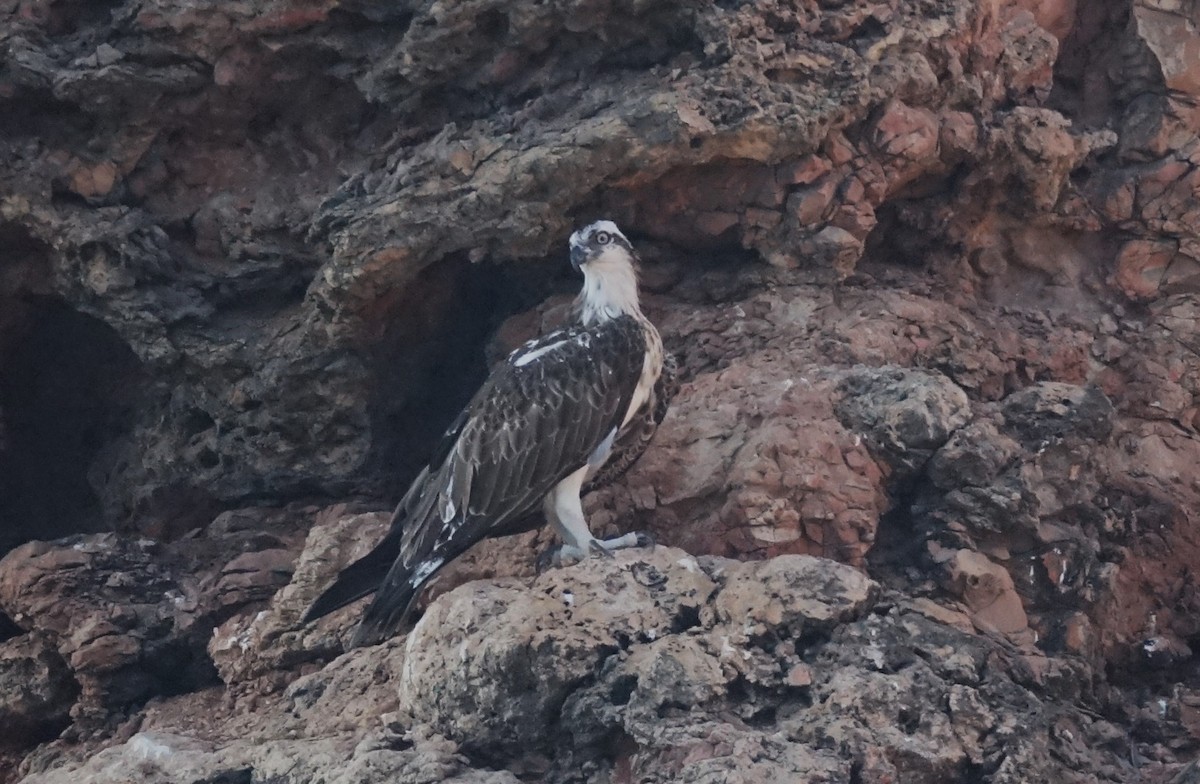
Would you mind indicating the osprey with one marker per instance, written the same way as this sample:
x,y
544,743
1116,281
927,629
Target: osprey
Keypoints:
x,y
564,413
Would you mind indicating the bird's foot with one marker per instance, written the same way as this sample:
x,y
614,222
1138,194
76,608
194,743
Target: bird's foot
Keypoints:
x,y
547,559
632,539
645,539
600,548
565,555
558,557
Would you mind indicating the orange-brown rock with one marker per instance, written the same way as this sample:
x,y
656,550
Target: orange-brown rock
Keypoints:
x,y
931,273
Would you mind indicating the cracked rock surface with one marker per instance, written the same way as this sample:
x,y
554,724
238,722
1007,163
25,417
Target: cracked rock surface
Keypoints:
x,y
652,666
925,504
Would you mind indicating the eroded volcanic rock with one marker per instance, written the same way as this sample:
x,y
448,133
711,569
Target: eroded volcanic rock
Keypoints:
x,y
653,665
260,260
931,273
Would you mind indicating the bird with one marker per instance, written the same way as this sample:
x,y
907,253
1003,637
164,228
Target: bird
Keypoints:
x,y
563,414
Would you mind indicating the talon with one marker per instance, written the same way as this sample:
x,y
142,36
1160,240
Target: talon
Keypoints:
x,y
547,560
558,557
596,548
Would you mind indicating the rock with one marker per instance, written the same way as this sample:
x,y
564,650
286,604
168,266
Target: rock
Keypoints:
x,y
1006,525
634,689
36,691
350,691
112,610
521,651
165,757
987,588
811,205
930,273
1053,410
692,142
1142,267
130,617
907,138
658,648
905,415
665,692
832,247
796,593
724,753
1163,652
159,757
1176,53
974,455
255,641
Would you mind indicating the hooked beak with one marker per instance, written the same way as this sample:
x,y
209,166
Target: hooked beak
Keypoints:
x,y
578,256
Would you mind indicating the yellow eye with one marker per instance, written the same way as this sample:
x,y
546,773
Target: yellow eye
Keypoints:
x,y
603,238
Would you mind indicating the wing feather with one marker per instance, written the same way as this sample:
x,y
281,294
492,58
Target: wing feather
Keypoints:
x,y
517,486
633,439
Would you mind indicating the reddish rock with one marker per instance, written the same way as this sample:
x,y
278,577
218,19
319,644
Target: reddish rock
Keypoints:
x,y
93,180
800,593
802,172
907,138
36,691
1142,266
1056,17
958,135
930,273
987,588
810,205
1164,28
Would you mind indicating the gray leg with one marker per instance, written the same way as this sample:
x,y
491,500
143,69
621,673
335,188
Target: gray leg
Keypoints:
x,y
564,510
633,539
554,555
566,514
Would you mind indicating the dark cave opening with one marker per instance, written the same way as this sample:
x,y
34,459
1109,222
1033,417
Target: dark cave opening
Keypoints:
x,y
1092,51
67,387
898,558
433,351
8,628
892,242
909,231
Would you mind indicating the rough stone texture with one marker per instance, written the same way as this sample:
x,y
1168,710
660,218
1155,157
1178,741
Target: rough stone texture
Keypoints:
x,y
931,272
643,667
259,640
793,596
519,652
906,415
195,207
36,691
130,617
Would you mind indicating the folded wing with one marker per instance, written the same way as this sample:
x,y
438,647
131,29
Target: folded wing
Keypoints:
x,y
537,419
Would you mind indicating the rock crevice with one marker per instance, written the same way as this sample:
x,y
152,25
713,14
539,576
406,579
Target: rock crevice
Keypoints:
x,y
930,271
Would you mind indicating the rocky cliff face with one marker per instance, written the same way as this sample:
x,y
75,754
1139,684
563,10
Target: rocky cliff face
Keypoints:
x,y
930,270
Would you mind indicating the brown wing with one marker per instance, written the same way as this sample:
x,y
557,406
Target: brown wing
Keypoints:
x,y
636,435
536,420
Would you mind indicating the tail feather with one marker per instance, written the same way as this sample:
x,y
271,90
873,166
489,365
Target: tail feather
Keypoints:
x,y
386,613
394,599
354,582
383,571
361,577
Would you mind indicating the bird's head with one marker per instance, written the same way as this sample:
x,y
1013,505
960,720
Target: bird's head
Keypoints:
x,y
601,239
606,259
